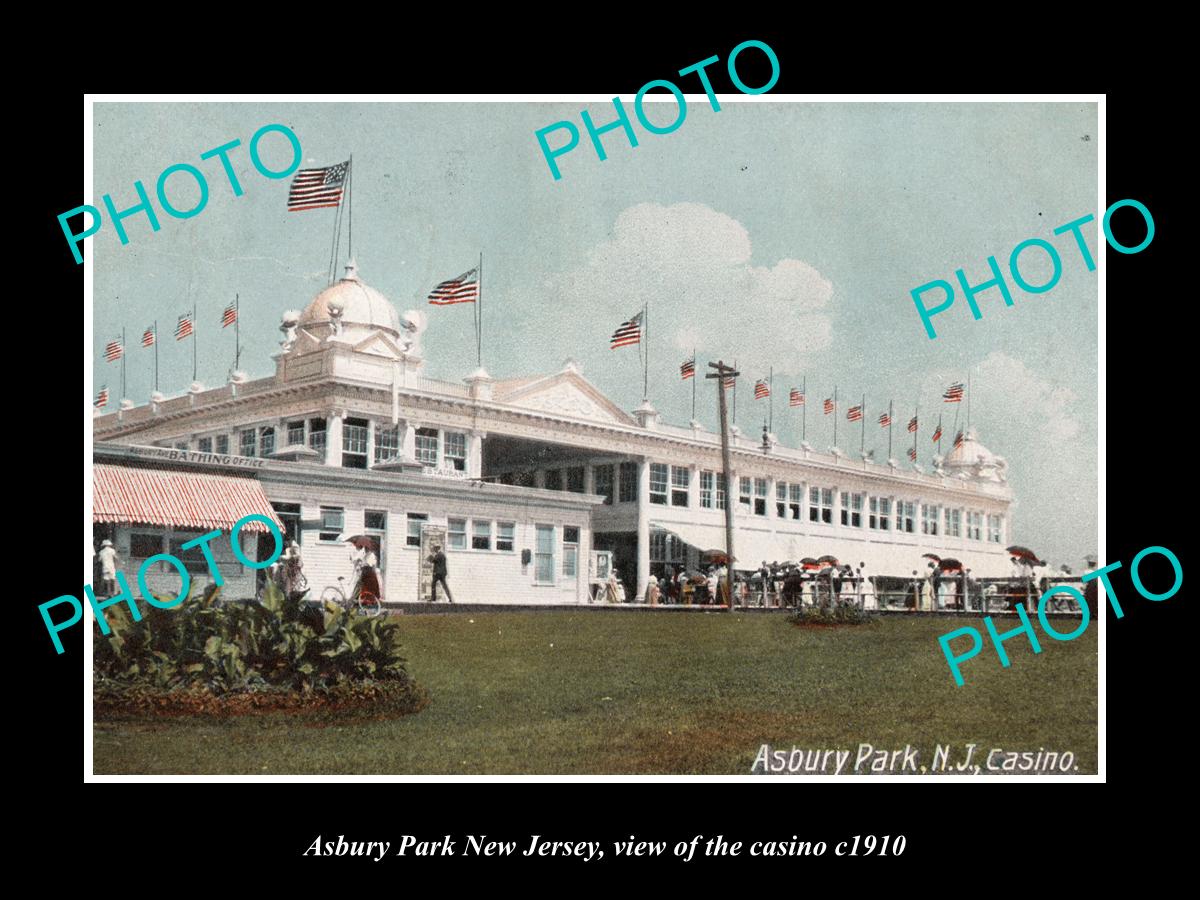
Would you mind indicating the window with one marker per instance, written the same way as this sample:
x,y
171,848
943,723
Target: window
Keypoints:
x,y
289,515
929,518
744,487
333,522
427,446
455,452
994,529
760,496
354,444
880,513
852,509
205,445
554,479
680,480
143,546
666,548
570,551
575,479
266,442
795,498
706,490
820,505
543,568
629,483
222,444
193,558
953,523
247,440
182,445
316,435
906,516
387,442
975,526
456,534
295,433
658,484
781,495
505,535
603,476
720,490
415,522
375,520
481,535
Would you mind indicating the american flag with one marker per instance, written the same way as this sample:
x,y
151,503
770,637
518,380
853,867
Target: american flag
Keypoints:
x,y
854,413
317,188
114,350
728,381
912,453
688,369
184,328
761,389
912,425
102,397
463,289
954,393
958,439
627,333
229,316
796,398
148,337
885,419
937,434
828,406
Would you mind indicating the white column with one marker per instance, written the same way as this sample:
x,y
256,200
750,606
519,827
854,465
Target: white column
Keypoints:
x,y
409,449
643,528
694,487
333,440
370,443
589,478
475,454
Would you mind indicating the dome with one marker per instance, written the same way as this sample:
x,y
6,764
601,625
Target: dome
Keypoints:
x,y
975,459
360,304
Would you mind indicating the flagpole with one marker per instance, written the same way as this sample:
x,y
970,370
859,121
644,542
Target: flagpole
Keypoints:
x,y
734,411
771,400
156,356
804,410
939,434
693,384
237,334
968,399
122,363
479,316
350,200
916,431
835,416
862,443
646,356
195,327
889,429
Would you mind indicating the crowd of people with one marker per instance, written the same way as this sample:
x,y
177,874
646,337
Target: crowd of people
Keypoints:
x,y
772,584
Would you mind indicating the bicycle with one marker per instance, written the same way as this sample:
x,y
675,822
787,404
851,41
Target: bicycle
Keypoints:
x,y
364,601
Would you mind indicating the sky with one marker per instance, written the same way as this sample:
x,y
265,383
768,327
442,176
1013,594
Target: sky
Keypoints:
x,y
783,236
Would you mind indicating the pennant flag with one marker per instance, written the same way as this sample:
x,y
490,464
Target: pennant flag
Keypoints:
x,y
463,289
761,390
688,369
184,328
854,413
885,419
937,434
828,406
912,425
954,393
317,188
149,337
796,398
102,397
114,350
912,453
629,332
229,316
958,439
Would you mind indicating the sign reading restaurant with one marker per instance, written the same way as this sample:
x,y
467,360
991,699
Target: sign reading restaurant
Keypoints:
x,y
195,456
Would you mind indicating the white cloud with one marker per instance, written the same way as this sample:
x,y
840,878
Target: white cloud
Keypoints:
x,y
692,265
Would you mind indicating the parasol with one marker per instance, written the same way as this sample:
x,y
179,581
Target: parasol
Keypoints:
x,y
1025,555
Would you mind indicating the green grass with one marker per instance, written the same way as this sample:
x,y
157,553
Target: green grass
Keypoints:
x,y
579,692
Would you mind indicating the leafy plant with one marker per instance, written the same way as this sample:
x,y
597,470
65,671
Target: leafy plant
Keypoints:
x,y
839,614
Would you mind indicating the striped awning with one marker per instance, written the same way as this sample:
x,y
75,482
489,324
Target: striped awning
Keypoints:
x,y
123,495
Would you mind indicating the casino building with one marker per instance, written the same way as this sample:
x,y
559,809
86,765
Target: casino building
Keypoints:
x,y
519,478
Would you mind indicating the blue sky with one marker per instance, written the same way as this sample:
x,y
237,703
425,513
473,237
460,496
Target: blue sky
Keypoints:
x,y
778,234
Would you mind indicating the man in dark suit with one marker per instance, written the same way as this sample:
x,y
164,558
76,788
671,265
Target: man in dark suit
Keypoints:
x,y
439,574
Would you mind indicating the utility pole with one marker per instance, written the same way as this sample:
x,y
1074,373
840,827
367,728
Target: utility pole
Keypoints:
x,y
722,372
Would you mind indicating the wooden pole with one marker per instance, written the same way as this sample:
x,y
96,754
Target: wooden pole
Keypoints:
x,y
719,376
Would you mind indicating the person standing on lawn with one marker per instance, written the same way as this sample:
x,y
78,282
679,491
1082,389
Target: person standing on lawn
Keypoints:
x,y
438,558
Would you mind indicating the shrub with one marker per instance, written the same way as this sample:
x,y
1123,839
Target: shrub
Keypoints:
x,y
225,648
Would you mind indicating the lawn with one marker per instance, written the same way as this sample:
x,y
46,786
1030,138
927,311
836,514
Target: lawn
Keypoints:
x,y
590,692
